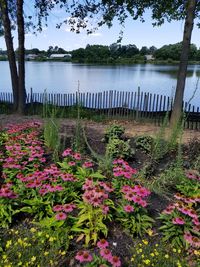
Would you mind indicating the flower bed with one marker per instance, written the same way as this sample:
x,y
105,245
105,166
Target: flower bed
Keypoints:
x,y
68,213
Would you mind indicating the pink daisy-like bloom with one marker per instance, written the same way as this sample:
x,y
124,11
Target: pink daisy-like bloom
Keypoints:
x,y
67,152
83,256
106,254
87,164
77,156
57,208
178,220
115,261
61,216
128,208
102,244
72,163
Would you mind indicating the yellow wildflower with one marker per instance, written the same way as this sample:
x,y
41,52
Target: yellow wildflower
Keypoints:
x,y
174,250
152,254
8,243
33,259
147,262
145,242
51,239
166,256
46,253
33,230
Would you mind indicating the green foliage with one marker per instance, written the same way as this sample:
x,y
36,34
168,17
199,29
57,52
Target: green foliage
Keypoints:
x,y
114,131
136,222
167,181
90,223
117,148
144,142
189,187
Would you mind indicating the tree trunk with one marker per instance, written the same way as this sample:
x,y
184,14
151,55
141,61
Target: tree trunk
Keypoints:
x,y
21,58
188,27
10,51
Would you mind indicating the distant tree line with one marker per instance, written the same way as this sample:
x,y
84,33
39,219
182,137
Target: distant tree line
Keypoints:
x,y
117,53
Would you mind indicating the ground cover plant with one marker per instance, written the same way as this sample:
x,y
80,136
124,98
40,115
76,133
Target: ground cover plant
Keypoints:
x,y
69,212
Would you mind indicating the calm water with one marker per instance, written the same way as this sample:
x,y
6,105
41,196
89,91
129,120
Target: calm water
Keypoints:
x,y
63,78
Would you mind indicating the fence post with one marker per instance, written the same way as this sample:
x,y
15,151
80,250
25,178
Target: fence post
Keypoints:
x,y
138,103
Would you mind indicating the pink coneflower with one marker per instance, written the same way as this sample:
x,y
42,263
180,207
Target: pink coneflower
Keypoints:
x,y
106,254
87,164
77,156
115,261
178,220
102,244
61,216
67,152
128,208
129,196
57,208
72,163
83,256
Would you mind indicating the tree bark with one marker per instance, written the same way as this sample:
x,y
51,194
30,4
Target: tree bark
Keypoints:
x,y
180,87
10,51
21,58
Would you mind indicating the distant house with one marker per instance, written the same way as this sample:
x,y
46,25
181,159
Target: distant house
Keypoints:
x,y
149,57
31,56
60,56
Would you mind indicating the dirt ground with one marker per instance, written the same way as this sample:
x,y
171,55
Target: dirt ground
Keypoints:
x,y
132,128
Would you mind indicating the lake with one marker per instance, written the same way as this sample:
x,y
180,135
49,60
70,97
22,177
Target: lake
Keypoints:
x,y
63,77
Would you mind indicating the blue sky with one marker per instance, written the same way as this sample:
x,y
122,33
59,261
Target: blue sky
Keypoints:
x,y
135,32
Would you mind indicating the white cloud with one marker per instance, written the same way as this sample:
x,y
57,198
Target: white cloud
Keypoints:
x,y
96,34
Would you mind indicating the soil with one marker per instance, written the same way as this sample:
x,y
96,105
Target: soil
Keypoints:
x,y
96,130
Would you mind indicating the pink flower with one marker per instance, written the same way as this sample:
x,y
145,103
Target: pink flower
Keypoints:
x,y
57,208
83,256
102,244
87,164
67,152
72,163
77,156
106,254
178,220
115,261
128,208
61,216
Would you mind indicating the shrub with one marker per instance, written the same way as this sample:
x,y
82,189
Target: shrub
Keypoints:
x,y
114,131
117,148
145,143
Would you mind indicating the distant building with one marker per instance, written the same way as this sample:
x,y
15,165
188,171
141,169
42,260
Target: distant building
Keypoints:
x,y
31,56
149,57
60,56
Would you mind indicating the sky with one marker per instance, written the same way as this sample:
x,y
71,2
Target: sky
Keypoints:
x,y
135,32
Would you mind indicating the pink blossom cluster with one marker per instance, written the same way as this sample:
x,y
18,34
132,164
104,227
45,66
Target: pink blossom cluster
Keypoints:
x,y
187,200
194,175
23,148
192,240
6,191
62,210
106,253
83,256
183,209
47,180
136,193
122,169
96,194
69,153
